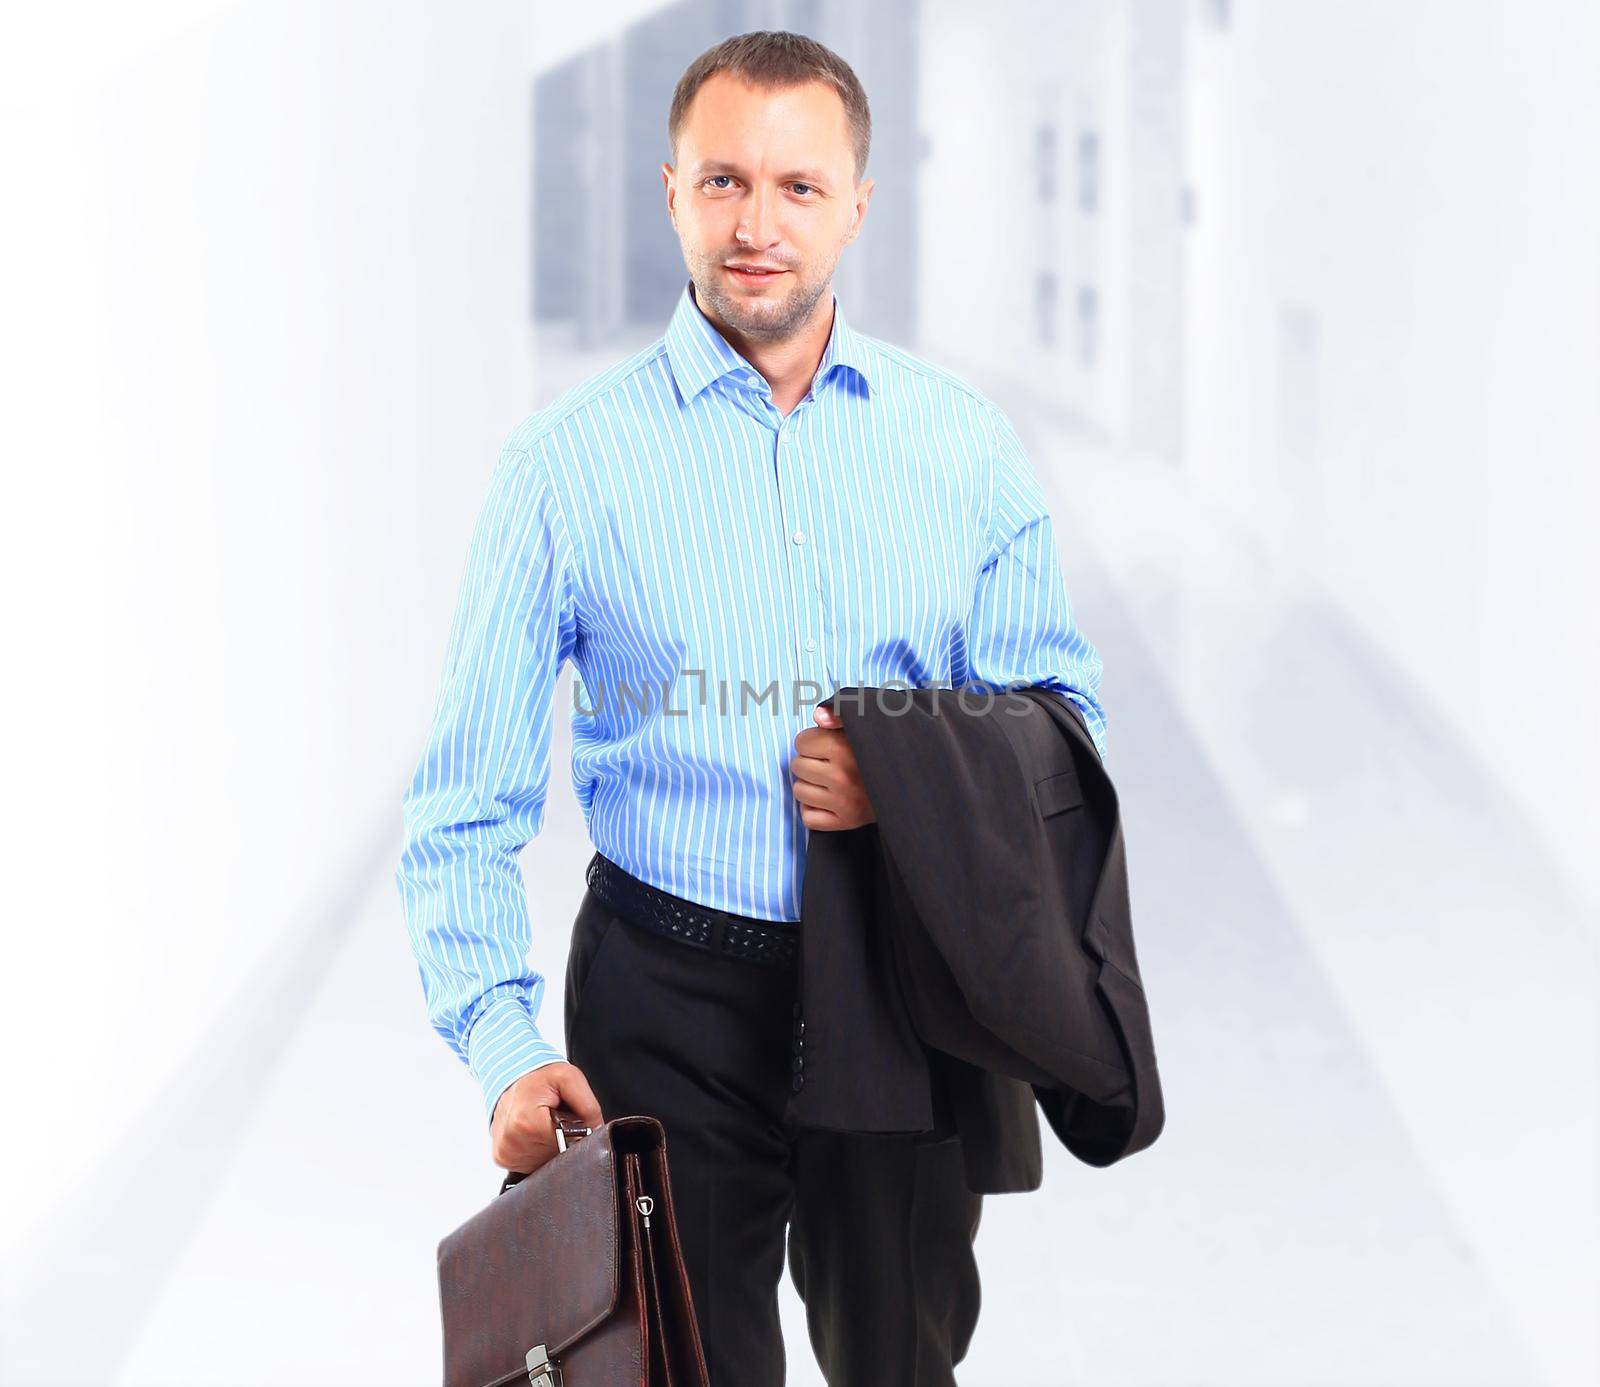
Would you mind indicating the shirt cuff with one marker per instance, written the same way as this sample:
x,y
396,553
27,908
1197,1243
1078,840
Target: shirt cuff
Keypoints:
x,y
503,1045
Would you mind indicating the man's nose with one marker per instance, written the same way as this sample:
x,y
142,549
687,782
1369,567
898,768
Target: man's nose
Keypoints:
x,y
759,222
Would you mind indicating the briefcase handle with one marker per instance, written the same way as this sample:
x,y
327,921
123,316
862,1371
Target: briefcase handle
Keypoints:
x,y
568,1130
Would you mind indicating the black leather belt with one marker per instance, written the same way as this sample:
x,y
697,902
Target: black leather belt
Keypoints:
x,y
773,942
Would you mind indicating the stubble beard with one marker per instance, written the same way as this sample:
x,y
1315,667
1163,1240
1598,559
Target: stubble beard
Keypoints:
x,y
772,321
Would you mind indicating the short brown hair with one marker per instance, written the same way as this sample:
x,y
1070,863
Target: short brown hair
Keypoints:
x,y
773,59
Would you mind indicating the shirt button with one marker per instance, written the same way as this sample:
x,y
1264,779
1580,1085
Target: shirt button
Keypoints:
x,y
799,536
810,643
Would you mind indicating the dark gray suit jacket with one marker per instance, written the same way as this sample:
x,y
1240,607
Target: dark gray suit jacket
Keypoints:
x,y
971,953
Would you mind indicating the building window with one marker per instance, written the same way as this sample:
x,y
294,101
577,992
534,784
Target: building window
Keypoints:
x,y
1044,162
1299,349
1044,308
1088,171
1088,325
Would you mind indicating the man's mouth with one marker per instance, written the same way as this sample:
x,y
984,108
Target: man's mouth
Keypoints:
x,y
754,272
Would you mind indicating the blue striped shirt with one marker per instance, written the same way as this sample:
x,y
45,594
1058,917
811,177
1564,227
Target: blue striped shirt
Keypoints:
x,y
712,568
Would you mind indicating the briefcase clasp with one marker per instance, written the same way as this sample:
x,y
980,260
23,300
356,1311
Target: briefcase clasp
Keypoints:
x,y
568,1132
541,1371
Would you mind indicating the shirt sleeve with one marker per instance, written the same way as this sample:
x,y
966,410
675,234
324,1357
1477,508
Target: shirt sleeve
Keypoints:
x,y
477,795
1021,630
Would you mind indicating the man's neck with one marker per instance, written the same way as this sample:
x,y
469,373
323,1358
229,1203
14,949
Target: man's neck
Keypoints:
x,y
787,366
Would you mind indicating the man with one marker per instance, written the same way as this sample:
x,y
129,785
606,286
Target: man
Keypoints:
x,y
762,502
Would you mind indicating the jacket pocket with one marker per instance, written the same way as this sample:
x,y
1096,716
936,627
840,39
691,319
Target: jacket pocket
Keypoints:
x,y
1057,793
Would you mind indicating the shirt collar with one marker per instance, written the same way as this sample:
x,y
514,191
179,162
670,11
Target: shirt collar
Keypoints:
x,y
699,354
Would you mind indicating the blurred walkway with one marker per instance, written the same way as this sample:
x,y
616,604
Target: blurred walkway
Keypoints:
x,y
1374,1007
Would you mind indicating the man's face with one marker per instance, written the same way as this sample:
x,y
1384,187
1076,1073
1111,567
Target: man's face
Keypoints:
x,y
764,178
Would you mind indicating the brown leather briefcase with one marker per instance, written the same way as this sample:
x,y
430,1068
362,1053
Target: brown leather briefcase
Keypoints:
x,y
573,1276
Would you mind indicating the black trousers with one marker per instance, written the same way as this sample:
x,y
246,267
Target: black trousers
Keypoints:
x,y
880,1227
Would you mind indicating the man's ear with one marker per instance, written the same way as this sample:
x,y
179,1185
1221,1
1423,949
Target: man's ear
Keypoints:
x,y
863,198
669,180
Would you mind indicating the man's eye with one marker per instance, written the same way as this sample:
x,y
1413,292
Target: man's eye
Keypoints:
x,y
714,178
799,185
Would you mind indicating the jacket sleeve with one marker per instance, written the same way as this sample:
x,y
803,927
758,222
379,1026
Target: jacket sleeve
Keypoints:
x,y
477,795
1021,630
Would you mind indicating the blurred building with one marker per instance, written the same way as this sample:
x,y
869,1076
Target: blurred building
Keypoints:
x,y
1087,154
